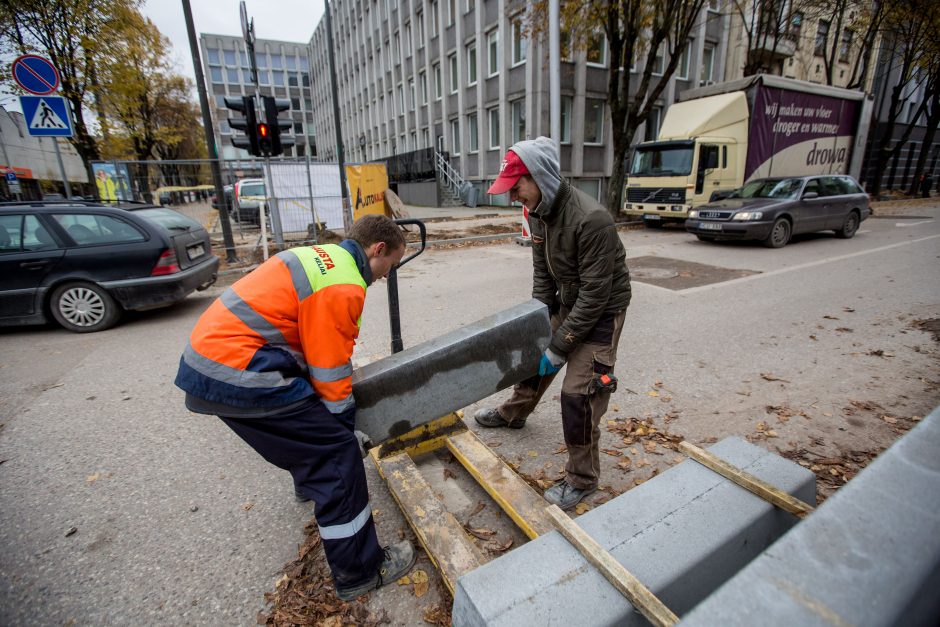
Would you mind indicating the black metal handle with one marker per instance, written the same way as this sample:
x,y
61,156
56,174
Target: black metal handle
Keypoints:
x,y
34,265
394,315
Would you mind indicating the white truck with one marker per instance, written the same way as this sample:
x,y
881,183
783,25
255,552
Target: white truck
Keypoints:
x,y
721,136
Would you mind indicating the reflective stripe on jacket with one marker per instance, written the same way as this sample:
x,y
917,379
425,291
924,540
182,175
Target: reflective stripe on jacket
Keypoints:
x,y
280,334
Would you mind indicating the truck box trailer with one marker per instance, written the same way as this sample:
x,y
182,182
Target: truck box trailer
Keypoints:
x,y
716,138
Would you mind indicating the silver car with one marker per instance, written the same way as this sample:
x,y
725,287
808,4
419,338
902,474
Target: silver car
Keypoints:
x,y
772,210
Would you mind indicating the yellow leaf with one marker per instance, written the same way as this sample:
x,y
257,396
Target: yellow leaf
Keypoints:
x,y
533,454
649,446
94,477
404,581
421,582
634,451
283,579
653,393
247,506
615,407
581,508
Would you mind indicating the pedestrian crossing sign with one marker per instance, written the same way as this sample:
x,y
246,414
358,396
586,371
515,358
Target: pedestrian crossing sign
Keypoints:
x,y
47,116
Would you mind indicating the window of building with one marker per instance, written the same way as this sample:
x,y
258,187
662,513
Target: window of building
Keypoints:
x,y
845,46
682,72
492,52
215,74
292,62
425,138
401,99
470,5
243,57
230,57
518,121
451,12
452,60
652,124
435,16
264,77
708,63
423,80
493,118
261,59
419,27
232,75
277,62
659,62
437,81
593,121
455,135
220,100
713,5
408,39
278,77
213,54
474,139
298,128
591,187
305,79
411,93
518,42
295,104
822,38
224,127
292,79
796,25
472,65
597,49
567,102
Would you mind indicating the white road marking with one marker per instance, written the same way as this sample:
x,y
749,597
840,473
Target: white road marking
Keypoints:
x,y
913,223
763,275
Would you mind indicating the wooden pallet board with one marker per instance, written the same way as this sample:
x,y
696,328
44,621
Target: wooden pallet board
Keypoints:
x,y
438,531
523,504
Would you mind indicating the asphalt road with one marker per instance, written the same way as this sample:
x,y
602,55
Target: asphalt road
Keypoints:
x,y
177,522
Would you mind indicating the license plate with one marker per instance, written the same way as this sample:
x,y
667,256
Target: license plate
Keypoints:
x,y
651,216
709,226
196,251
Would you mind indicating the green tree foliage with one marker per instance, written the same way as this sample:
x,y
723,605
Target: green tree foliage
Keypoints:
x,y
637,32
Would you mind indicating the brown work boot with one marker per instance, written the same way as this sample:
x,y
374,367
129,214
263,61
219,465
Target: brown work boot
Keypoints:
x,y
399,558
492,418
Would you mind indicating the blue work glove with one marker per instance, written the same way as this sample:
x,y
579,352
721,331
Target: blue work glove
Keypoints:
x,y
551,363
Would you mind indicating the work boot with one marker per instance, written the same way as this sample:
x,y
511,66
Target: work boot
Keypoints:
x,y
399,558
566,496
492,418
299,496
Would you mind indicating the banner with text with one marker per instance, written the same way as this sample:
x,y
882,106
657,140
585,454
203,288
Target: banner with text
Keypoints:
x,y
367,184
794,133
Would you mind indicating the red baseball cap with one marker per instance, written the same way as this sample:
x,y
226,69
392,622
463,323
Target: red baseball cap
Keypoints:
x,y
509,172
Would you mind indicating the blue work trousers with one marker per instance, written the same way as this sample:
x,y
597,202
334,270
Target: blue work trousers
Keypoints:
x,y
322,455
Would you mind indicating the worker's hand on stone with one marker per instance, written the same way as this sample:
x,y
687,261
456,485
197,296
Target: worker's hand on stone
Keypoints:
x,y
551,363
365,443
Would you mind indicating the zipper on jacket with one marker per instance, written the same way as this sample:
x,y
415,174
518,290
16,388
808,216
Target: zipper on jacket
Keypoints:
x,y
547,256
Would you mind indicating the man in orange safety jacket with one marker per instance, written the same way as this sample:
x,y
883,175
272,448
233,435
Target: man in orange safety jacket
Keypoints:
x,y
272,358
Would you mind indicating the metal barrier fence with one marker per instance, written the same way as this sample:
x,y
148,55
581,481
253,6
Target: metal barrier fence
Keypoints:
x,y
302,196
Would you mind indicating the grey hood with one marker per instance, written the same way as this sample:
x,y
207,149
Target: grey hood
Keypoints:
x,y
541,159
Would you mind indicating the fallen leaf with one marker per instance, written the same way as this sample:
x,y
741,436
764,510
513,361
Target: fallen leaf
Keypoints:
x,y
420,579
247,506
481,533
612,452
625,463
602,499
561,449
771,433
615,407
770,377
404,581
678,458
653,393
581,508
70,531
533,454
827,414
844,330
449,474
848,309
761,426
813,337
649,446
830,317
92,478
916,418
634,451
891,420
643,462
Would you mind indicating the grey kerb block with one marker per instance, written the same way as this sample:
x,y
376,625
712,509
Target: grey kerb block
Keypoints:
x,y
683,533
870,555
420,384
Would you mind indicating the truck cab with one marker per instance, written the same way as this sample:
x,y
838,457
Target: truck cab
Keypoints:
x,y
700,155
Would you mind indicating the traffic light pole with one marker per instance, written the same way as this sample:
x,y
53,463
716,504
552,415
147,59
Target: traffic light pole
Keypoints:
x,y
210,137
340,156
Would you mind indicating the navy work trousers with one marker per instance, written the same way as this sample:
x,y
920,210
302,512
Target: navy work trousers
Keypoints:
x,y
322,455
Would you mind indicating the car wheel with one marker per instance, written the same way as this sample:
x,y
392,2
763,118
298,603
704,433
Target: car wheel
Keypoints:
x,y
653,224
779,234
849,227
706,238
84,307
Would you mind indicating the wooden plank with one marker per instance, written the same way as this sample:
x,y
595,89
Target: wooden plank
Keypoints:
x,y
621,578
747,481
524,505
438,531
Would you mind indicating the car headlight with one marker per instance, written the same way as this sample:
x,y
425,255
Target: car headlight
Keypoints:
x,y
693,213
748,215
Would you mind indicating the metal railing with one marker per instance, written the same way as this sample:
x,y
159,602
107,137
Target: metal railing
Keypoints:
x,y
447,174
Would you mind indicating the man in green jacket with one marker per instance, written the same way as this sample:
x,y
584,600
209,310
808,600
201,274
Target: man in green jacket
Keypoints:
x,y
580,272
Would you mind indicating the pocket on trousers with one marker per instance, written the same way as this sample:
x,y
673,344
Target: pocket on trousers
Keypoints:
x,y
576,419
603,331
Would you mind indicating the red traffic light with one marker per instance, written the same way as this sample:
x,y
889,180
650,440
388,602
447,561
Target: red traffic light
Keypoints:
x,y
263,131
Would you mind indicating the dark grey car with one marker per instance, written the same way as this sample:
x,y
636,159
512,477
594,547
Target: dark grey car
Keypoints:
x,y
772,210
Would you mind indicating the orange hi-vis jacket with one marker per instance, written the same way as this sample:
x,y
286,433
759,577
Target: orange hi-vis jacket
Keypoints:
x,y
282,333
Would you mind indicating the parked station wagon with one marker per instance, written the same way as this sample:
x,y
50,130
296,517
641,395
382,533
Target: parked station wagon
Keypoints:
x,y
84,263
772,210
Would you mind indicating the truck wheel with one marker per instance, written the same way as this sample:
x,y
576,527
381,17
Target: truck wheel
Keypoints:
x,y
779,234
84,307
849,227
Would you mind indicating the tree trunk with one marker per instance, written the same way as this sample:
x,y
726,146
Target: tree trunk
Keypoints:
x,y
933,120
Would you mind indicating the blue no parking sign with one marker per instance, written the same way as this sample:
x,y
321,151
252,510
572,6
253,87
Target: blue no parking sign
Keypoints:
x,y
35,74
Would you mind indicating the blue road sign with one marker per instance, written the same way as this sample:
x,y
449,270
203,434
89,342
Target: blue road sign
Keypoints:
x,y
35,74
11,176
46,116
